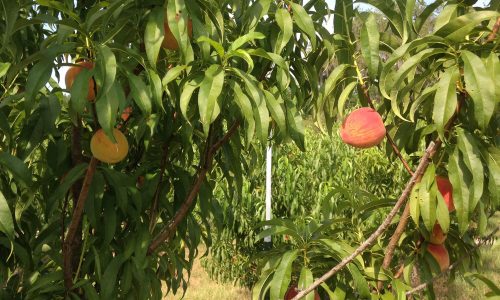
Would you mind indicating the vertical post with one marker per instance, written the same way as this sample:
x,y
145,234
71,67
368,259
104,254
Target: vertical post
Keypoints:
x,y
269,157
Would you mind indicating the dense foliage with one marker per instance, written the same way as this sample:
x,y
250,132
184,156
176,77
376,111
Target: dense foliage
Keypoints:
x,y
328,180
198,119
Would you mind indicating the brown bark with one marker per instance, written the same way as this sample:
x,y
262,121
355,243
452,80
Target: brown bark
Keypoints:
x,y
74,229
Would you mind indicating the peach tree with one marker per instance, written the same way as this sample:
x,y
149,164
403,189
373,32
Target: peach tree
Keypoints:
x,y
194,85
191,85
436,92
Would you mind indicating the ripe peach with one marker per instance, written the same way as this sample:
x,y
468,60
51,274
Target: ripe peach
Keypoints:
x,y
293,291
437,235
169,41
126,113
73,72
363,128
446,189
440,254
105,150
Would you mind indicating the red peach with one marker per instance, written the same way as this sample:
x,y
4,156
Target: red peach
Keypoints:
x,y
363,128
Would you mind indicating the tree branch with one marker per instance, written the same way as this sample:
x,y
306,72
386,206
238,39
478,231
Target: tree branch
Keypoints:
x,y
168,232
494,31
422,166
75,223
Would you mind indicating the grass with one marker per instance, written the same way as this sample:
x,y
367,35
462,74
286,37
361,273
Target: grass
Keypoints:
x,y
201,287
461,290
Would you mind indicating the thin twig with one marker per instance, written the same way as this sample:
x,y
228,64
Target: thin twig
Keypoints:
x,y
75,223
168,232
494,31
422,166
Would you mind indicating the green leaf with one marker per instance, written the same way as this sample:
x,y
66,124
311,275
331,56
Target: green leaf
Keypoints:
x,y
427,198
388,9
106,70
171,75
71,177
472,158
445,99
243,55
285,23
457,29
210,89
217,46
461,180
442,213
187,91
253,15
282,275
305,280
80,89
140,93
177,18
493,67
17,167
107,108
360,282
246,110
242,40
480,87
6,222
153,35
156,88
493,162
110,276
369,41
330,83
414,203
4,67
448,13
396,80
304,22
344,96
276,111
260,288
38,76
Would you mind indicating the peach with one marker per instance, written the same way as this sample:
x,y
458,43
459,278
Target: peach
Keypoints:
x,y
105,150
363,128
437,235
440,254
446,190
126,113
73,72
293,291
169,41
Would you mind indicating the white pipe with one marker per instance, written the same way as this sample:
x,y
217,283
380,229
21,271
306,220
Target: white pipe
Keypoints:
x,y
269,156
